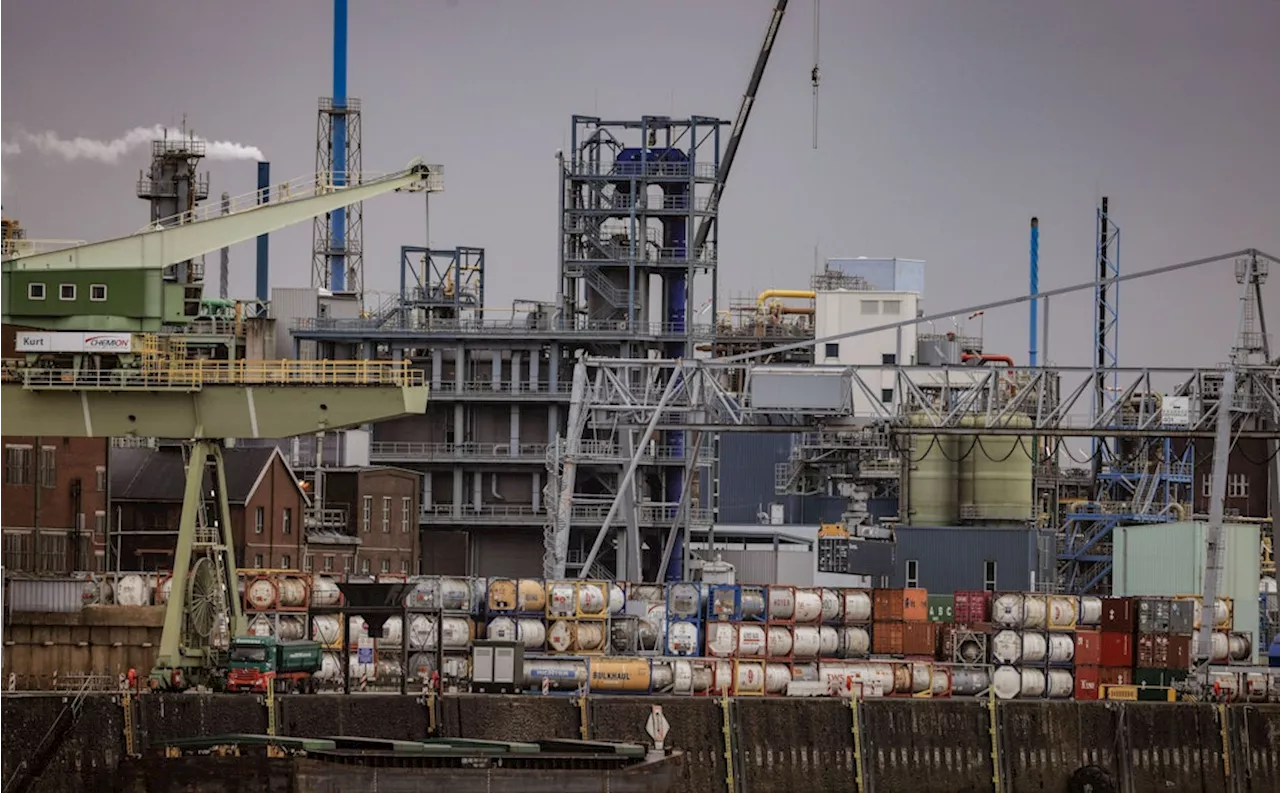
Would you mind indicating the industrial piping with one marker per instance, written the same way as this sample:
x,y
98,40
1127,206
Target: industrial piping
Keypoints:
x,y
972,356
797,293
262,281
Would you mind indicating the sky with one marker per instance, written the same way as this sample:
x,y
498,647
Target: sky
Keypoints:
x,y
944,126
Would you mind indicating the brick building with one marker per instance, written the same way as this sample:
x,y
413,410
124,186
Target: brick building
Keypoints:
x,y
53,503
267,507
1248,477
368,524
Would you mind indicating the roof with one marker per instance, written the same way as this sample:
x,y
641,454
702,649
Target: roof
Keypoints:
x,y
159,475
369,469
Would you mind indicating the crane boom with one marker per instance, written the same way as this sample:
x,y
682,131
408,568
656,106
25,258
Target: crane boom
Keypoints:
x,y
740,123
157,248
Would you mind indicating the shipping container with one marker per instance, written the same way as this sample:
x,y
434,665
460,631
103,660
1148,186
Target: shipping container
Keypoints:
x,y
1087,680
886,638
1158,678
1182,617
1115,676
1117,649
942,608
1152,651
1153,614
920,639
1088,647
1180,652
972,605
1118,616
48,595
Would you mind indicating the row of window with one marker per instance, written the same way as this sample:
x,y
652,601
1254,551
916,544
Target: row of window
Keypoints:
x,y
19,468
988,574
327,564
406,517
37,291
260,522
1237,485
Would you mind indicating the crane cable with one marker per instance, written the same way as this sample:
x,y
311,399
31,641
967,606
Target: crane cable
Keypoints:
x,y
815,75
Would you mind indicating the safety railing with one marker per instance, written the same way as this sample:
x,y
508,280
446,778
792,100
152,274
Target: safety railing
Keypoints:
x,y
526,513
196,374
416,451
408,325
654,169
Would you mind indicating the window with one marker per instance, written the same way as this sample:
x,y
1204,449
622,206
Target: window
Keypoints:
x,y
892,307
989,576
67,292
99,522
386,514
386,565
406,510
832,349
286,521
97,292
17,465
404,567
870,307
1237,485
307,562
1207,486
886,395
285,561
48,467
368,512
328,564
100,478
259,520
889,359
913,573
364,567
35,291
257,561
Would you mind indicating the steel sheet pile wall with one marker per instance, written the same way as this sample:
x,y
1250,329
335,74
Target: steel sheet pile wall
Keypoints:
x,y
797,746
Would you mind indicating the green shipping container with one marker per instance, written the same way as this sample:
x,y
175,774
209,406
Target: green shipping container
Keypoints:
x,y
1158,678
942,608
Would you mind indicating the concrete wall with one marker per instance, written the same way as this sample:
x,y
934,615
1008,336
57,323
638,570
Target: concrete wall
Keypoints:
x,y
778,745
101,639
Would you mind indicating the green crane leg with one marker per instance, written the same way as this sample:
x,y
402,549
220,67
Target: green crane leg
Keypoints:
x,y
238,624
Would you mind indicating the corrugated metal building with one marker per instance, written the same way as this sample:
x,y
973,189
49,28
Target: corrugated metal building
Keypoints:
x,y
747,464
787,554
949,558
1168,559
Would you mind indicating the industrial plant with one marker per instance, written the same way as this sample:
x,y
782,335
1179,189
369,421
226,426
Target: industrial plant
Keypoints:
x,y
628,533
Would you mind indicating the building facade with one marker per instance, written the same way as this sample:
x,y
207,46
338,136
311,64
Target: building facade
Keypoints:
x,y
365,522
266,500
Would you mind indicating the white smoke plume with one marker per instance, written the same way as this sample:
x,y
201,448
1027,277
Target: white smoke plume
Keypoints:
x,y
111,151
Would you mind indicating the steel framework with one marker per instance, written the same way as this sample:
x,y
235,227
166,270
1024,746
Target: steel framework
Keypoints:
x,y
337,258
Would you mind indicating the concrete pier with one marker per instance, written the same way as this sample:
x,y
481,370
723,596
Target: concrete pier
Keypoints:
x,y
782,745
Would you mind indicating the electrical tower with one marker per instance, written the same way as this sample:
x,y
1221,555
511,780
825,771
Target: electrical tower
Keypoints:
x,y
337,261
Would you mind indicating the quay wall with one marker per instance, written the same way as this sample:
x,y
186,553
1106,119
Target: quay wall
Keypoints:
x,y
782,745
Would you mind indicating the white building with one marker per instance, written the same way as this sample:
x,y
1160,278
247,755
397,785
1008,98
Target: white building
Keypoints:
x,y
841,311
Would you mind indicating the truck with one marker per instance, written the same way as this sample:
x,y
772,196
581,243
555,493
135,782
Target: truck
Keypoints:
x,y
254,662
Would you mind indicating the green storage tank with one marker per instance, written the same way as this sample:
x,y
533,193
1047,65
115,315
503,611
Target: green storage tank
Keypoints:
x,y
931,478
1002,471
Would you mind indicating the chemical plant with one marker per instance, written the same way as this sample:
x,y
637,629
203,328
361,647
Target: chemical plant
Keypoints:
x,y
823,504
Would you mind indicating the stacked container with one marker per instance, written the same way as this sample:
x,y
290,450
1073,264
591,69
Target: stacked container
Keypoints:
x,y
578,617
515,610
1088,647
902,626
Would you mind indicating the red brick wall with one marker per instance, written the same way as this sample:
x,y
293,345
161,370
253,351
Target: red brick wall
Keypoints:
x,y
281,543
54,513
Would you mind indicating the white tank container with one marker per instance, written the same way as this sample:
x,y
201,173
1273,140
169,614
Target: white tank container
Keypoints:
x,y
782,602
806,641
1219,647
751,641
830,605
1032,682
421,665
828,642
330,668
808,606
357,629
456,594
749,677
967,681
1090,611
780,641
325,592
456,633
854,642
1064,612
1006,647
164,590
921,676
132,590
1035,647
688,677
422,632
1035,612
560,599
1007,610
857,607
776,678
292,628
326,629
646,593
531,633
1239,646
392,633
293,592
261,594
593,599
805,672
682,638
941,685
261,626
753,603
685,600
617,599
1062,648
722,639
1060,684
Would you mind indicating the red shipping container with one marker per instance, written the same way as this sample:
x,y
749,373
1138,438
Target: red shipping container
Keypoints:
x,y
886,605
1179,655
920,638
972,605
1118,615
1088,678
1117,649
1088,647
886,638
1114,676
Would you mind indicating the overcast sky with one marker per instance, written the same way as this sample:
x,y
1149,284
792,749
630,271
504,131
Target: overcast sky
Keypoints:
x,y
944,126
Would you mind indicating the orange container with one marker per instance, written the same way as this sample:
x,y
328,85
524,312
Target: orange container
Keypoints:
x,y
915,605
886,638
919,638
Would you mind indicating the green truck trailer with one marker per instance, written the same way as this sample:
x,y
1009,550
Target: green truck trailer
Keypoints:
x,y
254,662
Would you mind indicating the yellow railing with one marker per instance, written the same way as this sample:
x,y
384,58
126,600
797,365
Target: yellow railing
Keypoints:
x,y
186,373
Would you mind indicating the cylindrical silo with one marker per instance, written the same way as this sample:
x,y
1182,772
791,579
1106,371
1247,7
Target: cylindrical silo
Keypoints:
x,y
1003,473
931,478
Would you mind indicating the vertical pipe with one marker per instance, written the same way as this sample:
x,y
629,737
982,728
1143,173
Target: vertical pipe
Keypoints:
x,y
338,120
263,263
224,257
1035,288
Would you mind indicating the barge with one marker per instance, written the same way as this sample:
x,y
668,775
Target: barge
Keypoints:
x,y
252,763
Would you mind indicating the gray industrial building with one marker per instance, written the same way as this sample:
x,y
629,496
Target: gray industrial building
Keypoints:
x,y
950,558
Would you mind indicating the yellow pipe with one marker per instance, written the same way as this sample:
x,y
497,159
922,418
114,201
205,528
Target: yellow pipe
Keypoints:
x,y
768,293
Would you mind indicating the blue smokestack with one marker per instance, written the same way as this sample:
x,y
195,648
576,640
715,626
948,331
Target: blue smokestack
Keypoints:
x,y
1035,287
338,218
264,262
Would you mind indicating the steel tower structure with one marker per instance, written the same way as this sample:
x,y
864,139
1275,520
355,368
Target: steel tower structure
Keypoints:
x,y
337,261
